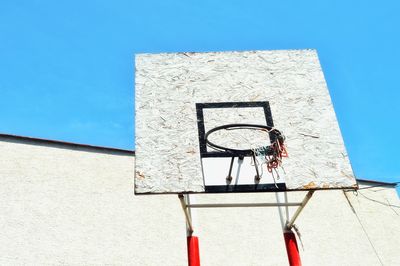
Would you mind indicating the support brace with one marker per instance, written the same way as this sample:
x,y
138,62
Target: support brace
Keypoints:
x,y
290,238
186,211
289,224
243,205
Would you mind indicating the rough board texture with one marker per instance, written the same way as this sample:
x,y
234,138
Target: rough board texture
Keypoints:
x,y
169,85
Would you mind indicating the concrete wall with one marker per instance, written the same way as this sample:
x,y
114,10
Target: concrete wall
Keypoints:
x,y
69,205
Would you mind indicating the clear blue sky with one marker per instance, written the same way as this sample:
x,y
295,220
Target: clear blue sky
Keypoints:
x,y
67,73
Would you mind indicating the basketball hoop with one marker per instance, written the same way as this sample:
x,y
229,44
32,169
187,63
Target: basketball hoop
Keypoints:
x,y
271,154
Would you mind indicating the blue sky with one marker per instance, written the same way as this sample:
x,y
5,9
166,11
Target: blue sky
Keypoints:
x,y
67,73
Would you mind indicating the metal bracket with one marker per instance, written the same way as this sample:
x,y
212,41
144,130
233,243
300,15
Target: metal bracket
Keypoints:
x,y
186,206
289,224
243,205
188,216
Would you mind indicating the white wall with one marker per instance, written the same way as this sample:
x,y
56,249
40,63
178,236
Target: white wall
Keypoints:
x,y
68,205
61,206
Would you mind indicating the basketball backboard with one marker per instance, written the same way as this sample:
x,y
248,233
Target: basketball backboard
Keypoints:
x,y
191,106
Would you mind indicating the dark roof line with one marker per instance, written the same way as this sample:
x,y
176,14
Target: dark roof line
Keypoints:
x,y
378,182
65,143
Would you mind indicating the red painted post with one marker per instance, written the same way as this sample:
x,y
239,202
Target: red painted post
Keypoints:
x,y
292,249
193,251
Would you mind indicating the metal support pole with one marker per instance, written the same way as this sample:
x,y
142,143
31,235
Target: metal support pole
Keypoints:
x,y
282,220
229,177
257,177
286,208
243,205
186,211
289,224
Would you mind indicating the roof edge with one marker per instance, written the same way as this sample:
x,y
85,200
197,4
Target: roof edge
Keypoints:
x,y
65,143
130,152
378,182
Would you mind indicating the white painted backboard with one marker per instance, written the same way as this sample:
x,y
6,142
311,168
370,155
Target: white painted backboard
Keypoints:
x,y
291,82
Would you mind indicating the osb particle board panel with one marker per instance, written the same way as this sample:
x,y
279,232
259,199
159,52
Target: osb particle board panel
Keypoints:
x,y
168,86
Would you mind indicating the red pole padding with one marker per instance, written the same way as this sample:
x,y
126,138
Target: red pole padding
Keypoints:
x,y
292,248
193,251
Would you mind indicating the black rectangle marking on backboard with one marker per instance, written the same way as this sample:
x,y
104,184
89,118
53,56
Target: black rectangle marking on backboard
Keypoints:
x,y
201,128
